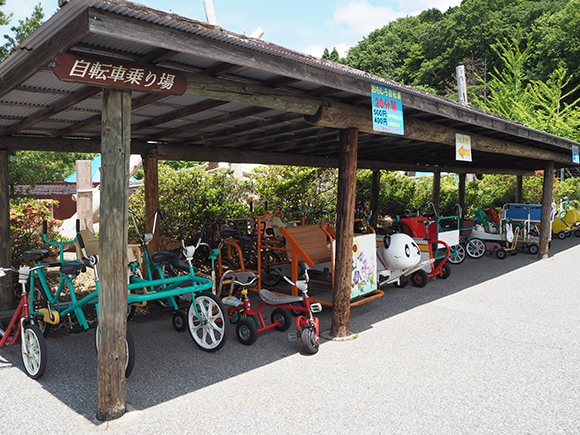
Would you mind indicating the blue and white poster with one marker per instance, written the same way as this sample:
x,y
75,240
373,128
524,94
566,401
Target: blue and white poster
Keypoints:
x,y
387,110
575,156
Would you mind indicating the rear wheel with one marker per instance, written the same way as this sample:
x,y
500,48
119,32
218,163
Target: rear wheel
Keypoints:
x,y
445,271
533,249
33,351
458,256
501,254
420,278
475,248
283,316
179,320
561,235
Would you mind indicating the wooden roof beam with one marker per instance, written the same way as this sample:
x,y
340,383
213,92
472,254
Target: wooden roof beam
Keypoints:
x,y
343,116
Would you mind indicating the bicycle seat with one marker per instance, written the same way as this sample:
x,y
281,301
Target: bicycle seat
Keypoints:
x,y
172,258
274,299
227,233
72,268
37,254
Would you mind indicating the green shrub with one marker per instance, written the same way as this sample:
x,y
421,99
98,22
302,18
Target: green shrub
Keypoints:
x,y
26,227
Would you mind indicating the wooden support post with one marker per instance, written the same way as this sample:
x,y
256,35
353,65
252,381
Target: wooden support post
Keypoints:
x,y
375,190
115,152
152,200
85,194
6,296
519,188
436,190
344,232
545,224
461,193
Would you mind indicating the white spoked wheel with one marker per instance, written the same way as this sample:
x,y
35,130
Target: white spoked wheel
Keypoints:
x,y
211,332
459,255
475,248
33,351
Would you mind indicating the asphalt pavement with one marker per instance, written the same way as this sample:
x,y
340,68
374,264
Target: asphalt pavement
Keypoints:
x,y
493,349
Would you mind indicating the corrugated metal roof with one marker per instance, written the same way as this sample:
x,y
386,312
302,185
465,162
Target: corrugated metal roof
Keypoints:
x,y
244,126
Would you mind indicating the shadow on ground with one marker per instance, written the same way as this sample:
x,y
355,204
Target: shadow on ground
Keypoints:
x,y
169,364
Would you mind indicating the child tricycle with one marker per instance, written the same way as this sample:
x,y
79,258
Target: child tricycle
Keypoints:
x,y
307,326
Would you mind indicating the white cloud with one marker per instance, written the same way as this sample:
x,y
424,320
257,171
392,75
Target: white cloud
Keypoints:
x,y
361,17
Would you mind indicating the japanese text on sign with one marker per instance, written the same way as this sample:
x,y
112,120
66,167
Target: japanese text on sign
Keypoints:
x,y
118,75
387,110
462,147
575,155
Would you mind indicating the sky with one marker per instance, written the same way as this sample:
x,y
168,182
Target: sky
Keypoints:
x,y
308,26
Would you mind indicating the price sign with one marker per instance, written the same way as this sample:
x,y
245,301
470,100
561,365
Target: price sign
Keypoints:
x,y
387,110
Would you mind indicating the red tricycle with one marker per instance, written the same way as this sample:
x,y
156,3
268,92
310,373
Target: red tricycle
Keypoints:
x,y
307,326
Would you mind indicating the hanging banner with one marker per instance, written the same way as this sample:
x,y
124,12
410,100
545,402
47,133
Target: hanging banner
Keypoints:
x,y
575,156
462,147
387,110
118,75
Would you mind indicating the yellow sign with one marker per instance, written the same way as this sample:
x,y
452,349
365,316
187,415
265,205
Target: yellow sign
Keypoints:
x,y
462,147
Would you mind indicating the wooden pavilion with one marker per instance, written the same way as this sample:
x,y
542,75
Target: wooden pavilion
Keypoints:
x,y
117,77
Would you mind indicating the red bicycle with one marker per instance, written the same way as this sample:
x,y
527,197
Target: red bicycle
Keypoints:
x,y
33,343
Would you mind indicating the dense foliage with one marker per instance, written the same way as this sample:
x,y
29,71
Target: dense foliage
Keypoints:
x,y
26,227
424,50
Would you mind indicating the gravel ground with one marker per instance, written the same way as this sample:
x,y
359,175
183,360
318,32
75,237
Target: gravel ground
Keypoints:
x,y
493,349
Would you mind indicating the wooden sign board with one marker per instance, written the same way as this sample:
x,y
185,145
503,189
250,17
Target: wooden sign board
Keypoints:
x,y
118,75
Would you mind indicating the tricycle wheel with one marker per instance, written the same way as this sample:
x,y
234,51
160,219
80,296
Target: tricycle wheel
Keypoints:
x,y
309,341
577,233
283,316
475,248
247,331
501,253
533,249
179,320
33,351
209,331
420,278
302,304
458,256
561,235
445,271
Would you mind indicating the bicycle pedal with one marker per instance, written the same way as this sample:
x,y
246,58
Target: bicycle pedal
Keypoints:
x,y
292,336
316,307
76,329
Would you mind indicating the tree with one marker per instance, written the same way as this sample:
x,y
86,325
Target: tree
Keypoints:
x,y
539,104
32,167
24,28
